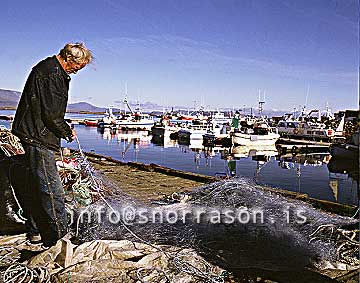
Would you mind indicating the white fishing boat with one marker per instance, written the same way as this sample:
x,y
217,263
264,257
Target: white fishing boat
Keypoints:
x,y
197,129
303,127
108,120
134,121
219,118
306,130
260,134
195,115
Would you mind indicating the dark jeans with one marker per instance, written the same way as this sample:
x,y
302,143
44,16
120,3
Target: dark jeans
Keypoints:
x,y
44,197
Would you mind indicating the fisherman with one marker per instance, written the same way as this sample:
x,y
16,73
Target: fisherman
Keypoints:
x,y
39,123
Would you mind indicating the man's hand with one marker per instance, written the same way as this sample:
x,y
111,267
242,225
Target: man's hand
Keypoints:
x,y
74,134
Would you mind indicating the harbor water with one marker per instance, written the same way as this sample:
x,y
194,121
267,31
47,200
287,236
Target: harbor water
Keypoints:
x,y
314,174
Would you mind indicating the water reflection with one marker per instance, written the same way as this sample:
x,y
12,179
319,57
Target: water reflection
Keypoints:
x,y
344,168
164,141
140,137
309,159
341,170
260,152
296,162
200,151
299,164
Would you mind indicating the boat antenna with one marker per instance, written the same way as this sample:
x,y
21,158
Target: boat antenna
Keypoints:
x,y
261,104
128,106
125,99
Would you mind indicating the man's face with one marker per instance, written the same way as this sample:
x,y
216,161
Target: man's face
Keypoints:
x,y
73,67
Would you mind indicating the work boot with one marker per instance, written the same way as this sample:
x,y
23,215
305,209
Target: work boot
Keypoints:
x,y
34,239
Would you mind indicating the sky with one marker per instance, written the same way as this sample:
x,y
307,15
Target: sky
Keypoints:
x,y
215,53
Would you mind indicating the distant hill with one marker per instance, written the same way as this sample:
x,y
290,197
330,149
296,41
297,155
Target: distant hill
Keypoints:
x,y
84,106
9,98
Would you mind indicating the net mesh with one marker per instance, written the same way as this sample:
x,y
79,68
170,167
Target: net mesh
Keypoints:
x,y
288,234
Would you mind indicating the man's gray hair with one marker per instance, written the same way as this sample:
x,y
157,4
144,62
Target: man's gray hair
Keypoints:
x,y
76,52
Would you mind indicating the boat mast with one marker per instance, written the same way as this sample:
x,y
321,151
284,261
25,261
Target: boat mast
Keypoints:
x,y
126,101
303,112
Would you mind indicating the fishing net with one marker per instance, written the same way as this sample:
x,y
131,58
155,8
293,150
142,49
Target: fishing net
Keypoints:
x,y
286,235
243,224
9,143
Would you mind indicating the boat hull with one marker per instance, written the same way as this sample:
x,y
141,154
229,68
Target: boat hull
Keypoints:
x,y
249,139
135,125
91,123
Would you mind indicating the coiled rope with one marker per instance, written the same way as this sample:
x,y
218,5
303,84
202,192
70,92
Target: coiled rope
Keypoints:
x,y
20,273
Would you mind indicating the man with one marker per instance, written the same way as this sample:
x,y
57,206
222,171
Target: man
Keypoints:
x,y
39,123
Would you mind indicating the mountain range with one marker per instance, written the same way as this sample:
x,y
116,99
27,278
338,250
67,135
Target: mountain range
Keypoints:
x,y
10,99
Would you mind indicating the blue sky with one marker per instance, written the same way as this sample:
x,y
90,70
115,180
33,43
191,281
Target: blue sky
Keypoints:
x,y
174,52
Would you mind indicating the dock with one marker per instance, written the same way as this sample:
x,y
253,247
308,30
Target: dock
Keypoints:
x,y
295,146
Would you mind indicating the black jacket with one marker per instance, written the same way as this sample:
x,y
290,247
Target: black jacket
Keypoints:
x,y
39,118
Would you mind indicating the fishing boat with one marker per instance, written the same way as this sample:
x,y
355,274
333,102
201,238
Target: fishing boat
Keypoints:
x,y
136,120
192,133
308,128
219,118
91,122
195,115
108,120
7,117
349,151
260,134
344,168
212,140
161,130
197,129
305,130
218,136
